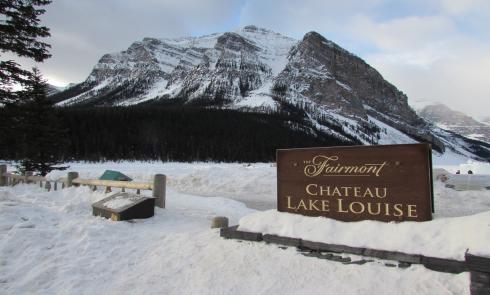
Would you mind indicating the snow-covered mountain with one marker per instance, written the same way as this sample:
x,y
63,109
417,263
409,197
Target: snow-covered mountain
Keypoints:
x,y
253,69
52,89
448,119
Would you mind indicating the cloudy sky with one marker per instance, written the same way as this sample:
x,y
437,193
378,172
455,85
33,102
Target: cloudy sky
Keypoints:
x,y
433,50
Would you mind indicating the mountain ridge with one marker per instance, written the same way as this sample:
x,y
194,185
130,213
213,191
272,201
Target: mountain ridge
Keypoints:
x,y
459,122
255,69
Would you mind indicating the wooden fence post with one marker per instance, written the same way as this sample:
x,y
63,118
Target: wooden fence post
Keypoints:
x,y
3,178
28,173
70,177
219,222
47,186
159,183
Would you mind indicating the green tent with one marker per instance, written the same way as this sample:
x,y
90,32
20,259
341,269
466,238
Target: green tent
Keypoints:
x,y
114,175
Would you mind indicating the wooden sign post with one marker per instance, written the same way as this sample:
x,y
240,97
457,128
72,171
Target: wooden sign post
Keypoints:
x,y
386,183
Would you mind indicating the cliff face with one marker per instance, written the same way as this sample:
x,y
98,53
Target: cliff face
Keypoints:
x,y
330,75
326,87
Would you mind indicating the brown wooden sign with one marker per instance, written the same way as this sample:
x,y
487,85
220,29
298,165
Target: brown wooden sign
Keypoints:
x,y
386,183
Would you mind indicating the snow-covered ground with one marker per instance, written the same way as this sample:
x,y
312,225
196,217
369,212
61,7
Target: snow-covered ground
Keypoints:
x,y
51,244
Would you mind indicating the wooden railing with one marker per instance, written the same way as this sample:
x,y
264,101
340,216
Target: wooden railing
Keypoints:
x,y
12,179
158,187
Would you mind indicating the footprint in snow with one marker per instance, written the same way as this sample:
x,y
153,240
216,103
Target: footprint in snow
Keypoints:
x,y
10,204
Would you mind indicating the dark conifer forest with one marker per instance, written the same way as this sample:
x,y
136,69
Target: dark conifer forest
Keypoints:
x,y
174,133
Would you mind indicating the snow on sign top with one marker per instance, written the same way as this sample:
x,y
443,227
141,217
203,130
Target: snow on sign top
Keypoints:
x,y
385,183
121,200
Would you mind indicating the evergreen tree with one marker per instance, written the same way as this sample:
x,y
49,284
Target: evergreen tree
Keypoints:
x,y
20,32
39,133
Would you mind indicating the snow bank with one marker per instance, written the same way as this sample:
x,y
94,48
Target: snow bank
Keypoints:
x,y
51,244
445,238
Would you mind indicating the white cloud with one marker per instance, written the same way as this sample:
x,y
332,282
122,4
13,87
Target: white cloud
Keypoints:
x,y
464,7
296,18
400,34
429,58
461,81
82,31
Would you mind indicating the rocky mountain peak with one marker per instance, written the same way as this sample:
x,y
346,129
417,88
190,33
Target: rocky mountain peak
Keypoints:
x,y
235,42
322,85
318,40
459,122
315,38
343,75
255,29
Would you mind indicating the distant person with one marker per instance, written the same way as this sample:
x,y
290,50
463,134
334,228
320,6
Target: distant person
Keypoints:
x,y
470,172
458,172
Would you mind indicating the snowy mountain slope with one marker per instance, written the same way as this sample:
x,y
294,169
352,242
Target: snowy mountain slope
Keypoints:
x,y
329,89
458,122
52,89
218,66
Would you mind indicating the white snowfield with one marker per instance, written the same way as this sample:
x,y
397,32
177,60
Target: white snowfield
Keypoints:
x,y
51,244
